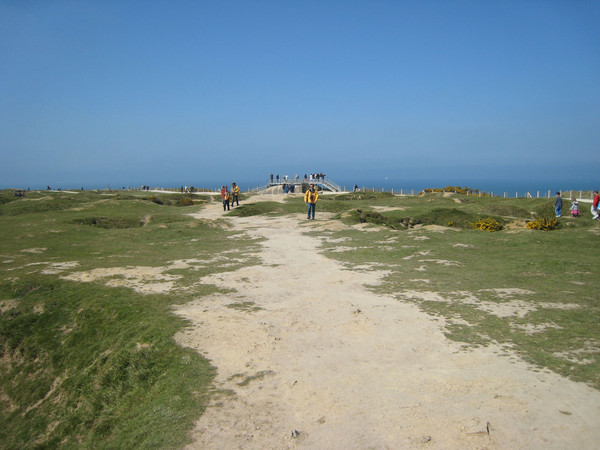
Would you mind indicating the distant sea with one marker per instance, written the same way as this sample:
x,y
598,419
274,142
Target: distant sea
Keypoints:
x,y
497,187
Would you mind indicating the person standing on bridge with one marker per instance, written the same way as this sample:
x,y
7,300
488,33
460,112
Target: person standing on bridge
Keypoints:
x,y
310,198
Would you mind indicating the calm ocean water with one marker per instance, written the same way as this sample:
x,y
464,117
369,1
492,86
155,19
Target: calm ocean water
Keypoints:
x,y
497,187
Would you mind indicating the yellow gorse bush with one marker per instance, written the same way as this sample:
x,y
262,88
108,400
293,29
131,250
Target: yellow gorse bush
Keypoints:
x,y
543,223
456,190
486,224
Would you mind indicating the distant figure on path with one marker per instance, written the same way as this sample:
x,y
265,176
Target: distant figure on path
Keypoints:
x,y
558,204
594,208
225,196
310,198
355,187
235,194
271,178
574,208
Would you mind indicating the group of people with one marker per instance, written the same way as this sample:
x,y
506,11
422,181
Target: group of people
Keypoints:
x,y
228,196
316,176
575,206
284,178
307,178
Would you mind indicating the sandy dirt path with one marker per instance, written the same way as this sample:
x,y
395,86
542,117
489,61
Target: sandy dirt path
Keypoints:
x,y
327,364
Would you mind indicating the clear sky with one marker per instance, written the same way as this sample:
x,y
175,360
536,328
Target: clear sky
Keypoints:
x,y
208,92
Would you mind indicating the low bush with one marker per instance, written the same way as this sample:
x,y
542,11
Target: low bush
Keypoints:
x,y
543,224
360,195
185,201
447,216
361,216
486,224
109,222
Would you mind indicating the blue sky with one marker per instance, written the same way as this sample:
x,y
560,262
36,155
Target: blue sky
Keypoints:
x,y
208,92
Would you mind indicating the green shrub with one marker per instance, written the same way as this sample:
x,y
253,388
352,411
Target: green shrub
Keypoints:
x,y
359,195
109,222
157,200
185,201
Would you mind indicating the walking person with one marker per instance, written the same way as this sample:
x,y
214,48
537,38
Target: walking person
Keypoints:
x,y
225,196
558,204
574,208
594,208
310,198
235,194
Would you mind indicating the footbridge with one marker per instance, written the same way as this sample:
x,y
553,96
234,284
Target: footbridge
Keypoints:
x,y
301,185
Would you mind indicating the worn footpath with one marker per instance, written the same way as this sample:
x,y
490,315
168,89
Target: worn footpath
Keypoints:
x,y
310,358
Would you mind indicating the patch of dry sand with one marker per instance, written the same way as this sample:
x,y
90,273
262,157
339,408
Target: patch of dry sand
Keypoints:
x,y
327,364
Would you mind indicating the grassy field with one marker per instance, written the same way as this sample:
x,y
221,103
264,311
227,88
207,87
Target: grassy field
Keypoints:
x,y
533,292
94,364
86,364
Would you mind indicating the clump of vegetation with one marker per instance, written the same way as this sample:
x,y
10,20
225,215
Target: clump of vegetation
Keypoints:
x,y
256,209
376,218
454,189
447,217
543,223
440,216
504,209
487,224
185,201
109,222
362,195
244,306
157,200
172,200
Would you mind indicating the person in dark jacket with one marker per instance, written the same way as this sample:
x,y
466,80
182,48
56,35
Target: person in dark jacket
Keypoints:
x,y
558,204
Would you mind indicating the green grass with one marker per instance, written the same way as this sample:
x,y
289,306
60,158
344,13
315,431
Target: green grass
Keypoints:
x,y
468,277
88,365
83,364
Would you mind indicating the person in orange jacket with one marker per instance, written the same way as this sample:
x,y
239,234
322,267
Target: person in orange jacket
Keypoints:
x,y
310,198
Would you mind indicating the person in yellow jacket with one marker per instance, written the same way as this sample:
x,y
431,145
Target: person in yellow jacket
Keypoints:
x,y
235,194
310,198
